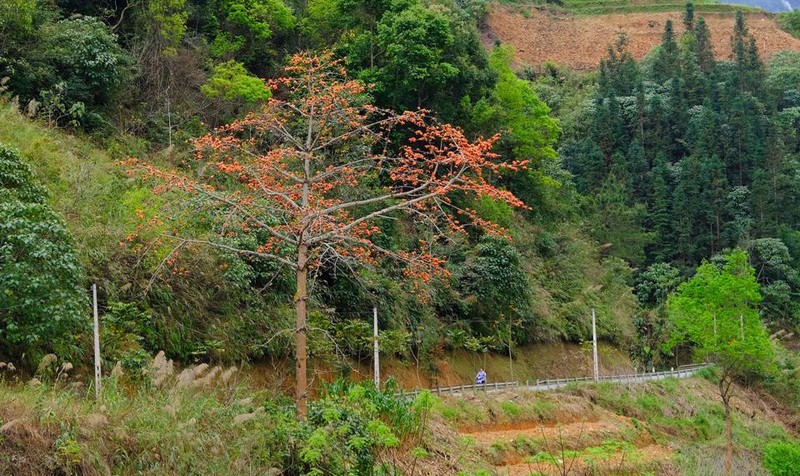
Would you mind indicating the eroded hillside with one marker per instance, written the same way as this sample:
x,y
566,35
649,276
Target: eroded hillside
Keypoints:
x,y
580,42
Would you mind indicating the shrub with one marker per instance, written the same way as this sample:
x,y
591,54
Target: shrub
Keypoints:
x,y
42,302
73,70
231,81
790,22
349,429
782,458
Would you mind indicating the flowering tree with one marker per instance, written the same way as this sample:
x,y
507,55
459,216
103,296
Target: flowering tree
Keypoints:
x,y
317,167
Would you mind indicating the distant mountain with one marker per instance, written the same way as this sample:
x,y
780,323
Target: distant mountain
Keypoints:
x,y
769,5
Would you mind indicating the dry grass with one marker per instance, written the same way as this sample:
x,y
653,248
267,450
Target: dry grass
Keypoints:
x,y
196,422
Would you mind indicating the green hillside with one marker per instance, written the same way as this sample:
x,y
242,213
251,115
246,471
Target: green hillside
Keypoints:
x,y
247,180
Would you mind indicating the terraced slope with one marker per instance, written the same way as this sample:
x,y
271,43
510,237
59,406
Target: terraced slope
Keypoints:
x,y
580,42
578,438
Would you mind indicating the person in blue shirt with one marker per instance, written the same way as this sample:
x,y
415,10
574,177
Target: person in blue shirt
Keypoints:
x,y
481,377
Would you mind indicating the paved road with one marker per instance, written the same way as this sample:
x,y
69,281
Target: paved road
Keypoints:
x,y
554,384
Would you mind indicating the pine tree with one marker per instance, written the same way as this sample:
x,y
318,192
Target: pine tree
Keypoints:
x,y
703,48
714,190
688,17
754,68
667,60
744,124
619,74
638,172
656,126
660,216
702,129
685,207
775,190
676,118
695,82
750,68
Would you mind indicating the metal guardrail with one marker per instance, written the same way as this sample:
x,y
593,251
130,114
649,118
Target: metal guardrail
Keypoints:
x,y
461,389
684,371
681,372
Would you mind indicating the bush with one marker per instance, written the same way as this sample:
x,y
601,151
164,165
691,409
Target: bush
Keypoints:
x,y
42,303
790,22
782,458
231,81
356,424
73,70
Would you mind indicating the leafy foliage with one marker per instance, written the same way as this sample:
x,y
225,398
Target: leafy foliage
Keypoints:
x,y
231,81
527,130
75,70
495,287
716,312
782,458
41,296
790,21
242,29
364,422
657,282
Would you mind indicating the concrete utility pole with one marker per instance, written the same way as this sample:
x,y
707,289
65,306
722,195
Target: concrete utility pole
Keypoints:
x,y
594,347
510,359
377,357
97,373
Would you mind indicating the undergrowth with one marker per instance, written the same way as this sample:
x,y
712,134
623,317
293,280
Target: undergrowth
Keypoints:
x,y
205,420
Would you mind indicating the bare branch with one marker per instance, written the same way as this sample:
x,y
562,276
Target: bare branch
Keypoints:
x,y
233,249
162,265
404,205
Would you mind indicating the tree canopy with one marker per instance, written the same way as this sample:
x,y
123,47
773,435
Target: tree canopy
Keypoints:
x,y
313,176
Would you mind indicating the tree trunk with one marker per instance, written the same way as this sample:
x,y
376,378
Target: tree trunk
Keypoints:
x,y
301,313
728,439
726,403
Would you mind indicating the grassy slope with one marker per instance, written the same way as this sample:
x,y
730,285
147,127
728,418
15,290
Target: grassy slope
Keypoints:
x,y
683,419
99,204
86,186
202,430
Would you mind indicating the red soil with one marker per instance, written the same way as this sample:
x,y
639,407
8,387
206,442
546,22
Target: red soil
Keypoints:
x,y
580,42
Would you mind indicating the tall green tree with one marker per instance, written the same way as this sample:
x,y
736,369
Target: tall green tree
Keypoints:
x,y
528,132
618,74
614,221
703,47
496,288
667,62
688,17
716,312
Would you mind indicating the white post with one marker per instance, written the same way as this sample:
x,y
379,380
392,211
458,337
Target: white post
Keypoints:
x,y
510,360
97,373
377,361
594,347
